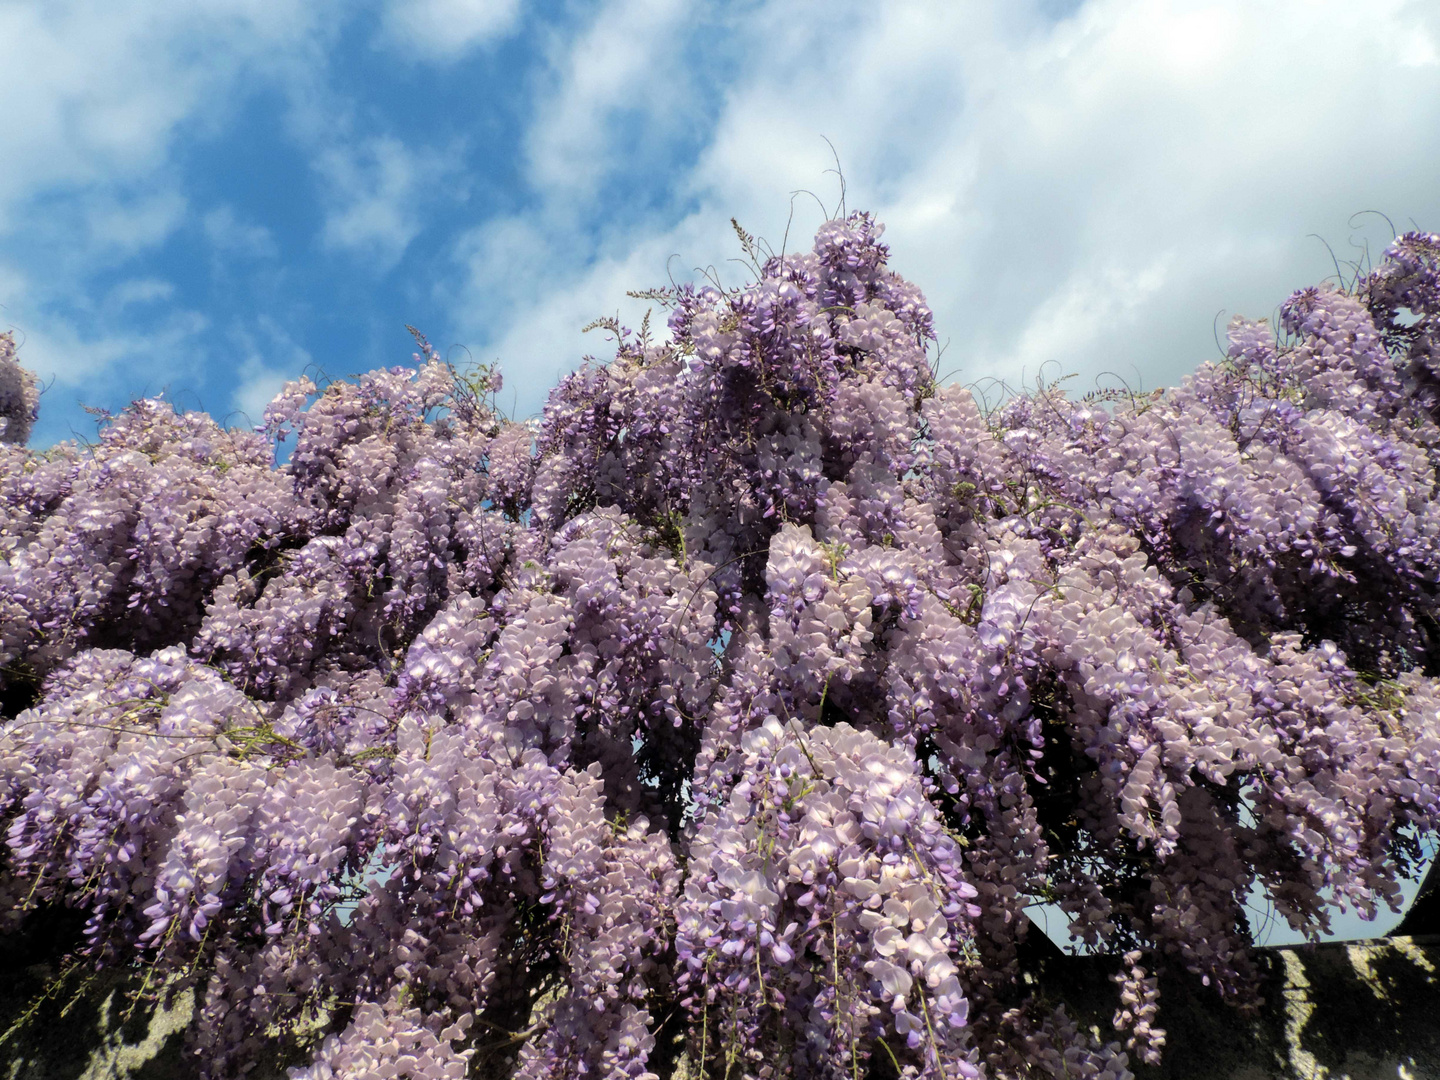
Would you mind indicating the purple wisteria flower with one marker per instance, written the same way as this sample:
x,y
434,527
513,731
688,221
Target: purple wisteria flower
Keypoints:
x,y
734,714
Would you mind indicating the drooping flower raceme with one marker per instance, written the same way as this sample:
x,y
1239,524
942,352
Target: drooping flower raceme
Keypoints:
x,y
19,397
739,708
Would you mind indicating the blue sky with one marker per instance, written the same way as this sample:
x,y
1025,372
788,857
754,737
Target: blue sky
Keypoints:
x,y
207,199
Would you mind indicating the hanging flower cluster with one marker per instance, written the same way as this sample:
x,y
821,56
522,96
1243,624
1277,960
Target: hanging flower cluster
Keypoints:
x,y
19,395
742,707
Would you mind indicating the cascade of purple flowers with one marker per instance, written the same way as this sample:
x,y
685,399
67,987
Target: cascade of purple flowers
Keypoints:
x,y
740,708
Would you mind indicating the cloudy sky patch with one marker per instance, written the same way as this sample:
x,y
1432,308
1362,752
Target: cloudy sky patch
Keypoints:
x,y
218,196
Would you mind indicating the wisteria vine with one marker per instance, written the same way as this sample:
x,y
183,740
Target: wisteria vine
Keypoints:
x,y
736,712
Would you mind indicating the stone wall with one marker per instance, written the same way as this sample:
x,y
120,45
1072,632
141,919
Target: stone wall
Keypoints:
x,y
1362,1011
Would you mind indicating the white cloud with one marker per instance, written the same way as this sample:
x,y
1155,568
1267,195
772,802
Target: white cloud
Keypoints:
x,y
139,291
271,358
1084,193
94,91
1085,313
540,346
125,226
377,190
225,230
95,98
625,59
445,30
1212,139
1075,185
91,366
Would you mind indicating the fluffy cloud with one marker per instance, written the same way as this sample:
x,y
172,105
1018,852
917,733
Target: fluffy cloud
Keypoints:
x,y
1079,187
445,30
124,226
270,359
1078,191
1141,165
79,362
375,191
95,91
94,103
230,234
624,65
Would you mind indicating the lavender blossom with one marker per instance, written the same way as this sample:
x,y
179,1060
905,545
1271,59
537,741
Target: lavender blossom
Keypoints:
x,y
743,705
